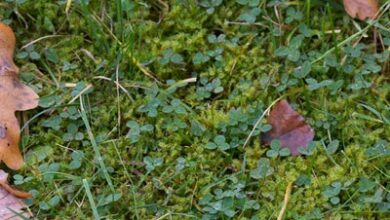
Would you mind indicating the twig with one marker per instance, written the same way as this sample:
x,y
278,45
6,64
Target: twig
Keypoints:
x,y
39,39
118,84
259,121
285,202
80,93
246,23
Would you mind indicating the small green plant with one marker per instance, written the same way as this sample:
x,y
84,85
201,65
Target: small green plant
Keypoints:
x,y
208,88
309,150
293,15
380,149
136,130
19,179
365,184
73,133
333,146
276,150
249,15
219,142
152,163
50,204
68,66
332,192
263,169
227,202
169,56
210,5
215,54
77,159
29,53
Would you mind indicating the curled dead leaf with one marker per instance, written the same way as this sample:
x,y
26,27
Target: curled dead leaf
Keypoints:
x,y
4,183
288,127
11,200
14,96
361,9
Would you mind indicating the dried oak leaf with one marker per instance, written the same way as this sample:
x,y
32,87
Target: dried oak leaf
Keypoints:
x,y
361,9
14,97
11,200
288,127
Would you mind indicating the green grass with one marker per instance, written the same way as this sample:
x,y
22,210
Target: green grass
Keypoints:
x,y
154,109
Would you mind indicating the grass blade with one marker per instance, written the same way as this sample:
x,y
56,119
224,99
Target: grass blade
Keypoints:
x,y
90,199
95,146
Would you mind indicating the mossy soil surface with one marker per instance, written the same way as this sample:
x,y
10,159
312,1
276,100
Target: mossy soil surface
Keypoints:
x,y
146,105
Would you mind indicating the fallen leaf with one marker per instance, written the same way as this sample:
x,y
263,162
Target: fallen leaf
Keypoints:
x,y
361,9
14,97
288,127
11,200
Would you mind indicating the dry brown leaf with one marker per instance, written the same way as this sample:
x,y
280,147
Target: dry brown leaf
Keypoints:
x,y
14,97
361,9
288,127
11,200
